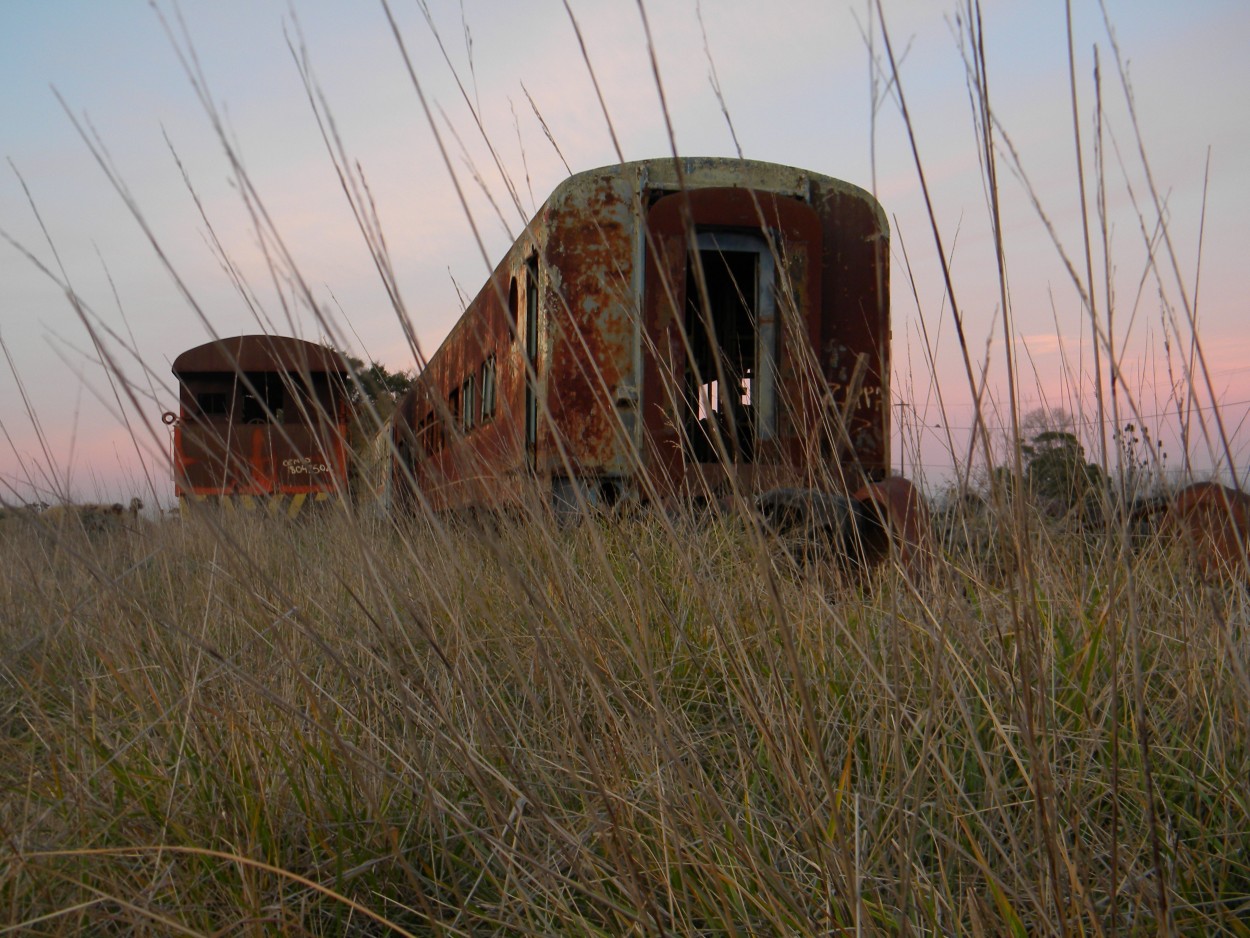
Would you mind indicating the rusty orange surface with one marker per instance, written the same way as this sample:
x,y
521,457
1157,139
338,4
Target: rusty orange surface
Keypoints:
x,y
1214,522
260,415
606,260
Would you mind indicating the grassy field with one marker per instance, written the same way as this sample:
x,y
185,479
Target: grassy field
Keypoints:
x,y
641,725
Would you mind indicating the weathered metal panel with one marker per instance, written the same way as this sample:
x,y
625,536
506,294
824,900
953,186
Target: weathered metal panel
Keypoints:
x,y
228,458
855,280
258,353
593,315
796,236
610,248
277,421
452,464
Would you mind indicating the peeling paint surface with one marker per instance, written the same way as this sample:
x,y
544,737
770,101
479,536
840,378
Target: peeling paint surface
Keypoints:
x,y
259,416
612,378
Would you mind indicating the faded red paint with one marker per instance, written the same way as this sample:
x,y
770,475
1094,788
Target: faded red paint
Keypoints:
x,y
611,248
799,229
1214,522
905,514
243,353
588,299
216,452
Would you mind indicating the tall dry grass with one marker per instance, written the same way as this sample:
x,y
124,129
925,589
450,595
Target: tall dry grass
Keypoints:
x,y
331,726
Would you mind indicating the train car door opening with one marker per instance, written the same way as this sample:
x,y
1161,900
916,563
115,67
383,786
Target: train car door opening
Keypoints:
x,y
728,397
531,357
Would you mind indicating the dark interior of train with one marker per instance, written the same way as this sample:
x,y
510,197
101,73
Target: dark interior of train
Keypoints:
x,y
721,323
265,397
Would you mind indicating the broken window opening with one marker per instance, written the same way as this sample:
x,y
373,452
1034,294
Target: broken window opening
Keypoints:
x,y
469,405
514,309
212,403
488,387
301,400
731,361
710,398
531,356
263,400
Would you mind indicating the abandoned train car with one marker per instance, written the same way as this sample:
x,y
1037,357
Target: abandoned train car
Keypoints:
x,y
262,423
662,330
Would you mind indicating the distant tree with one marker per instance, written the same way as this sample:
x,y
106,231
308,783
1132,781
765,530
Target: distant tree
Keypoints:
x,y
1003,481
1045,420
1056,468
1056,471
375,383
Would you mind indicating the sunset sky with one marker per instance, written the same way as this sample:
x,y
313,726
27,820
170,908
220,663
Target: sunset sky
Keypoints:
x,y
795,79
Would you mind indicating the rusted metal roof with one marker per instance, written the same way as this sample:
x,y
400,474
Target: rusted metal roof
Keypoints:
x,y
259,353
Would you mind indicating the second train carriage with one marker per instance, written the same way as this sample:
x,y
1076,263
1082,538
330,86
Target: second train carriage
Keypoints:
x,y
665,329
263,421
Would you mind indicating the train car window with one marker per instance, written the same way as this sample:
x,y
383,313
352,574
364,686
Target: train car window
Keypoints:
x,y
453,406
429,433
468,403
212,403
264,399
731,363
488,387
421,449
514,307
299,400
531,355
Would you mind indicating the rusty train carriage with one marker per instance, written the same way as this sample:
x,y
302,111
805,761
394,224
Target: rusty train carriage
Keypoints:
x,y
665,330
262,423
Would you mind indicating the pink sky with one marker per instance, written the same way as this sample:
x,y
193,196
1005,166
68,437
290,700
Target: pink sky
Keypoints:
x,y
795,79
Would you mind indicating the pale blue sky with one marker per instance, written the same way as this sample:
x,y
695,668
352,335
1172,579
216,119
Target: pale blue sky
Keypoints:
x,y
795,78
